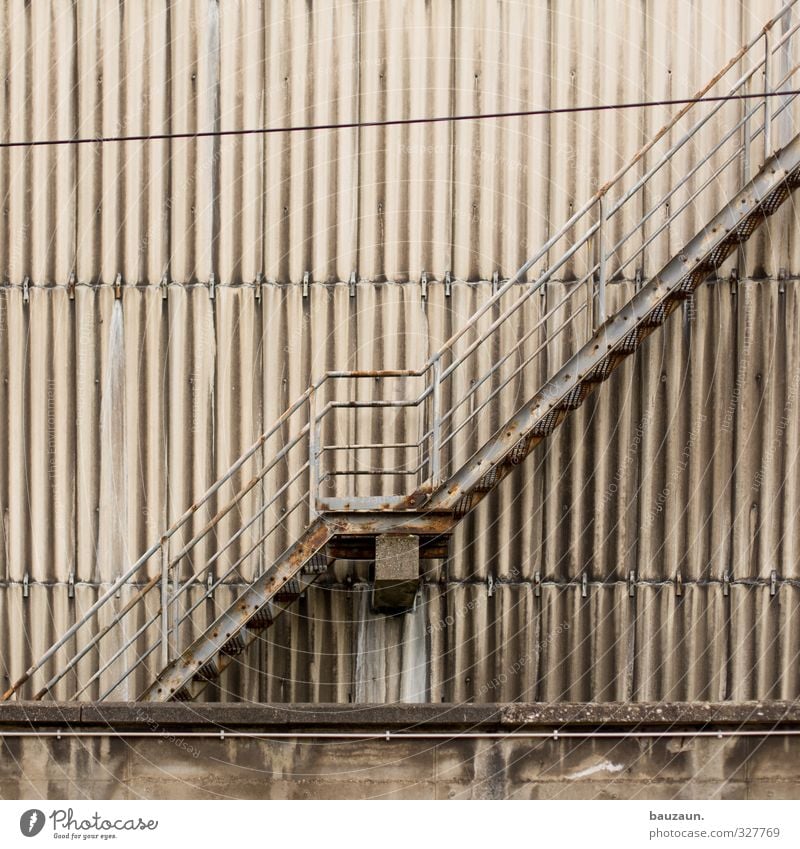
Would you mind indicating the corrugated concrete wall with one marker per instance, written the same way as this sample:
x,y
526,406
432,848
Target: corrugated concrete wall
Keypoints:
x,y
685,463
116,414
387,202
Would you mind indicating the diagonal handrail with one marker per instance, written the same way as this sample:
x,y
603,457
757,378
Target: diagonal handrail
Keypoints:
x,y
461,358
169,564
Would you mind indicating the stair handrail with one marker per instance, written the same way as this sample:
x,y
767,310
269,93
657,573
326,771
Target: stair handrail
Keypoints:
x,y
154,549
435,361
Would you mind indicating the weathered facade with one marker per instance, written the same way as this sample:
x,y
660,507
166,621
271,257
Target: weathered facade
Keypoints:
x,y
649,552
685,465
472,197
492,751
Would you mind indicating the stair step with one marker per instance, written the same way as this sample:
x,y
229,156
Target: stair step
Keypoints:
x,y
602,371
682,294
659,314
774,199
261,619
487,481
229,634
630,342
290,591
686,288
721,252
520,451
235,645
207,672
745,230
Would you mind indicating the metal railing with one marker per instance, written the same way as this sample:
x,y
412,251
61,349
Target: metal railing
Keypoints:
x,y
371,451
173,585
386,440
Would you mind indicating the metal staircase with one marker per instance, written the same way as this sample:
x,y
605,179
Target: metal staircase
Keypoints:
x,y
413,451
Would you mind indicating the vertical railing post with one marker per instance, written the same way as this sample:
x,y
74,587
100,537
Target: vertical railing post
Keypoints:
x,y
745,174
165,658
175,643
746,144
436,424
313,455
783,128
600,314
767,98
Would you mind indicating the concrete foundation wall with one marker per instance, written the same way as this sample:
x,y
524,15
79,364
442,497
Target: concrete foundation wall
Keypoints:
x,y
172,763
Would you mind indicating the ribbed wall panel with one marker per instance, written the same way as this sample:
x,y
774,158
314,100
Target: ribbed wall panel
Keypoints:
x,y
119,413
115,415
472,197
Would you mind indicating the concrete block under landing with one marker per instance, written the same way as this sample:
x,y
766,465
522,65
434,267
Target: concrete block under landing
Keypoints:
x,y
396,573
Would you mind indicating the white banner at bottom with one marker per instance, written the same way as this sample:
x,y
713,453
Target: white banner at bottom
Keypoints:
x,y
401,825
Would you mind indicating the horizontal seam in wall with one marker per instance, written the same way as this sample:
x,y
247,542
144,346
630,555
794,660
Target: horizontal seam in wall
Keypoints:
x,y
277,284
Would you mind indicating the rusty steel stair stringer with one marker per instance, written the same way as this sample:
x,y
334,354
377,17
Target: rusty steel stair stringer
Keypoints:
x,y
622,334
228,627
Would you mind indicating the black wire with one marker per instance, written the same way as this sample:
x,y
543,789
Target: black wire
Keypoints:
x,y
398,122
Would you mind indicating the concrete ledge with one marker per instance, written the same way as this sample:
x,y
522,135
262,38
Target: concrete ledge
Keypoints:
x,y
409,717
40,713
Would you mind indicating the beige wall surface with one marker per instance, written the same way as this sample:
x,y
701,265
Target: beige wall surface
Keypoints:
x,y
115,414
119,413
472,197
173,765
